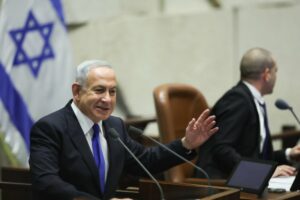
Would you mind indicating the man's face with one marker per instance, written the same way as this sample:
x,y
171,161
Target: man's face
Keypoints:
x,y
97,99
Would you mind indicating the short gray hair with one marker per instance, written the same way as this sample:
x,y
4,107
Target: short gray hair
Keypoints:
x,y
84,67
254,62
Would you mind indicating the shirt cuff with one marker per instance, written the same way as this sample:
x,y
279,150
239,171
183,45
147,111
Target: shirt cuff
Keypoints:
x,y
187,151
287,153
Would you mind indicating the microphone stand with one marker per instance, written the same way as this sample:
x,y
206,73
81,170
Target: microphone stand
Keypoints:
x,y
182,158
297,119
116,136
283,105
138,131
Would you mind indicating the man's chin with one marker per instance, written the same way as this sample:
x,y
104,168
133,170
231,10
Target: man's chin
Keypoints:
x,y
104,116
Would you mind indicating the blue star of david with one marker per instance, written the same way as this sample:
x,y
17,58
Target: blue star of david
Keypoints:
x,y
32,26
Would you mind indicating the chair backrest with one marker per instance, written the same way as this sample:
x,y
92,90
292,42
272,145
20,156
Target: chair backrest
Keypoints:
x,y
176,104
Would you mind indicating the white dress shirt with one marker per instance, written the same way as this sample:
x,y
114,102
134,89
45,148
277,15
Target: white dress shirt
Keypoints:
x,y
86,125
258,99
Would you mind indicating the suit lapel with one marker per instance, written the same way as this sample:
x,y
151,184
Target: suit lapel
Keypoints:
x,y
115,157
254,113
116,154
79,141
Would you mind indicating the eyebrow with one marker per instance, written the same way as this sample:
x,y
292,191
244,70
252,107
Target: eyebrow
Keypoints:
x,y
102,86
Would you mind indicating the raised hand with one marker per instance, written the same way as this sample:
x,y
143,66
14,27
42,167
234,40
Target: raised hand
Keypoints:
x,y
198,131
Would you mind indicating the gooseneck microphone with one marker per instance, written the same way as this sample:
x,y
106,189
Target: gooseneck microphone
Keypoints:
x,y
283,105
139,132
115,135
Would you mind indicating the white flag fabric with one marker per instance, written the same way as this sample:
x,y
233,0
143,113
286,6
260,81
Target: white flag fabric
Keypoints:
x,y
35,68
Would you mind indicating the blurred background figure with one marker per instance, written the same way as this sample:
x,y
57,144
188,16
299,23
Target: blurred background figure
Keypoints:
x,y
243,121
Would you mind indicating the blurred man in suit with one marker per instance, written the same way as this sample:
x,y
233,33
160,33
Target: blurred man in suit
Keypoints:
x,y
73,154
242,120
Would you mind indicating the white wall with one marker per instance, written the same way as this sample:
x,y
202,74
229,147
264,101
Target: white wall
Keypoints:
x,y
147,51
200,48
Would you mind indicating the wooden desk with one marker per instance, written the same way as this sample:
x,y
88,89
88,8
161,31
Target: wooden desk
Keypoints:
x,y
15,184
289,138
267,196
139,122
248,196
148,190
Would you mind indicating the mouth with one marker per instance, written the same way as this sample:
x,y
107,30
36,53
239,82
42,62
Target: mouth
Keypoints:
x,y
103,108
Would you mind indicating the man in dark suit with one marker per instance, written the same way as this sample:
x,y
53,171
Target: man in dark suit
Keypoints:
x,y
243,125
74,156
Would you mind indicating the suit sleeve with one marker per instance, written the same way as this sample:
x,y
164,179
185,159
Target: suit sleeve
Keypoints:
x,y
156,159
232,116
45,166
279,156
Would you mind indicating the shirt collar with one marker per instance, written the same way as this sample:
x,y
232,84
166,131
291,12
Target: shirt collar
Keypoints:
x,y
85,123
255,93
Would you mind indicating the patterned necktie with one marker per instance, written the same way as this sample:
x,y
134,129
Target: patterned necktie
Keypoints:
x,y
98,156
266,151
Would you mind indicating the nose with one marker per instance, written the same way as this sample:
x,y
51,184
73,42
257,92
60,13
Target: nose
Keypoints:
x,y
106,97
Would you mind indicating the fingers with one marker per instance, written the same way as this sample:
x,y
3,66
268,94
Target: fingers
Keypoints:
x,y
213,131
191,124
284,170
203,116
210,122
198,131
295,153
205,119
205,123
289,170
296,149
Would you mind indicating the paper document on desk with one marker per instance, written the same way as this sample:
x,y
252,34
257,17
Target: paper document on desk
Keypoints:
x,y
282,182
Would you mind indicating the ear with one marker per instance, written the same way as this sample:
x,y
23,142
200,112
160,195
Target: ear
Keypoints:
x,y
76,90
266,75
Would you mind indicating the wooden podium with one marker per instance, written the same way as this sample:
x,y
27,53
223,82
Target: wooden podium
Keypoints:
x,y
15,185
148,190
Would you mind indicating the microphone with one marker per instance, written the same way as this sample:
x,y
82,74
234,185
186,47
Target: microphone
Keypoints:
x,y
139,132
283,105
115,135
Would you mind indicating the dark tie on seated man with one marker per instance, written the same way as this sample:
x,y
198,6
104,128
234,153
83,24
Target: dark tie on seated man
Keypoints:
x,y
73,155
241,116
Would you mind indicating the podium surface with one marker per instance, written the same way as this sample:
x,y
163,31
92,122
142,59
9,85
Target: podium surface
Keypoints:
x,y
247,196
148,190
15,185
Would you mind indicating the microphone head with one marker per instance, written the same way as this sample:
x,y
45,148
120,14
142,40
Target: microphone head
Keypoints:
x,y
281,104
135,131
113,133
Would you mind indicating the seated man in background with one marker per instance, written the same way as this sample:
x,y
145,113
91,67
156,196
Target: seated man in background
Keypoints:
x,y
73,154
242,120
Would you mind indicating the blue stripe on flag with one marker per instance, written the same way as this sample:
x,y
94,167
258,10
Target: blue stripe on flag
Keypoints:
x,y
59,10
15,106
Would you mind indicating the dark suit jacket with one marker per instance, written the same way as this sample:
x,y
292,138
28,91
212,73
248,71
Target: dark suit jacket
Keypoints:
x,y
62,165
238,135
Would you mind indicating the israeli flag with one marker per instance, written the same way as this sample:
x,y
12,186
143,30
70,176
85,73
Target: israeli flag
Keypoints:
x,y
36,72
